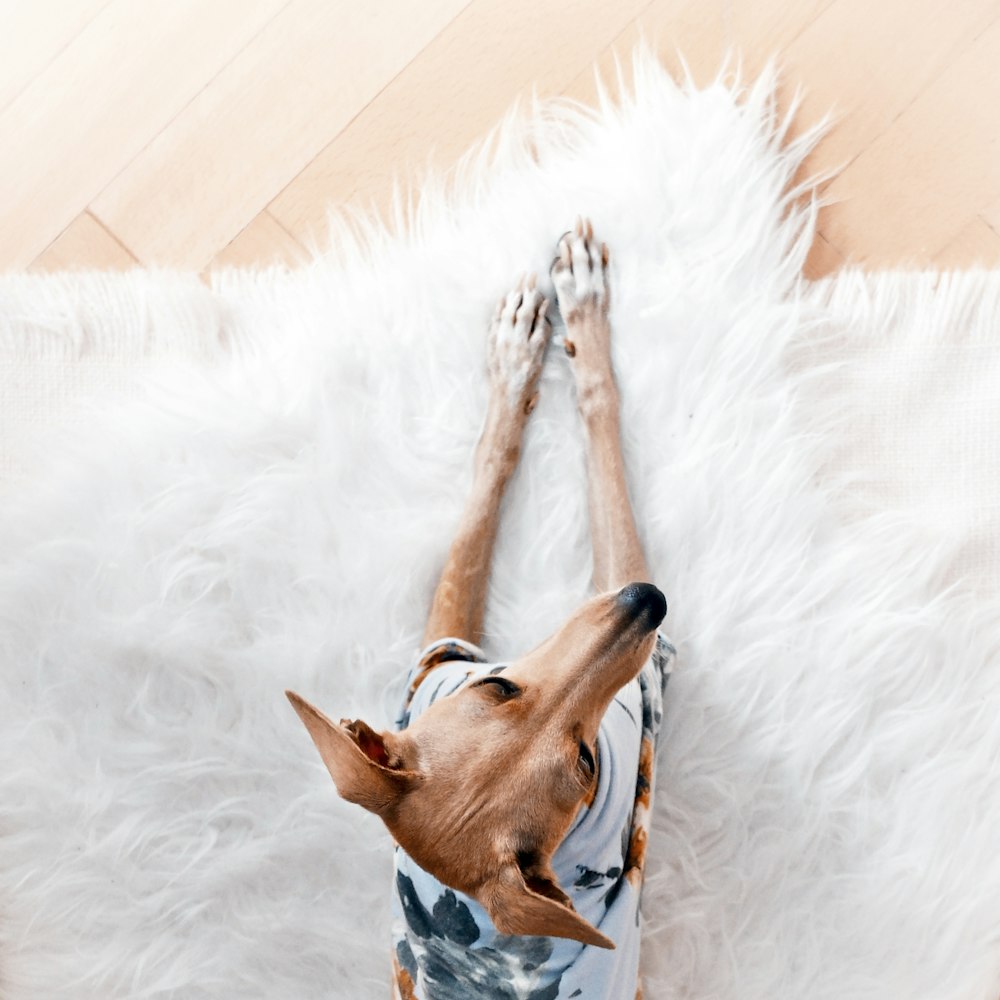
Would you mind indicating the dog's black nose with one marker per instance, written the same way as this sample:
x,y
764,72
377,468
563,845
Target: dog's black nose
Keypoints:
x,y
645,600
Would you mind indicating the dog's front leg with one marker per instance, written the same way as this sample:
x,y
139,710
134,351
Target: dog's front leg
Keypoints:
x,y
515,349
580,276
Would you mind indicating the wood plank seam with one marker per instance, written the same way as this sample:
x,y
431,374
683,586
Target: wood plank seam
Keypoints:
x,y
283,228
617,38
956,56
333,138
222,67
819,13
264,213
113,236
55,55
78,122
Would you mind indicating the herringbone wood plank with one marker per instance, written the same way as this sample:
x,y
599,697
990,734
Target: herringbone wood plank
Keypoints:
x,y
215,131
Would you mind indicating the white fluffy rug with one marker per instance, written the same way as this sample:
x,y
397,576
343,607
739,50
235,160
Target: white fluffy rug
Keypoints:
x,y
274,513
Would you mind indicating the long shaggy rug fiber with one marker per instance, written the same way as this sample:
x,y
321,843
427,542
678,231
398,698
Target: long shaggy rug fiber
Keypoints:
x,y
274,508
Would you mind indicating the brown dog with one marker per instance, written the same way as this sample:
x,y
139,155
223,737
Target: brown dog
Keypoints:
x,y
485,781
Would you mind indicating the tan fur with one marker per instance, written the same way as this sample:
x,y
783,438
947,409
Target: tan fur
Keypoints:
x,y
402,982
435,784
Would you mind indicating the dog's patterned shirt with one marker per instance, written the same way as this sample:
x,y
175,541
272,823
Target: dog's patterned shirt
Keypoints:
x,y
446,947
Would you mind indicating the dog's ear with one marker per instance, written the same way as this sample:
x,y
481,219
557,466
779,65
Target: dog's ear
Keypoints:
x,y
531,902
365,765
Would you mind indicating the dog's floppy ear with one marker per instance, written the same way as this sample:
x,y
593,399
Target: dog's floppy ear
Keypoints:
x,y
364,764
533,903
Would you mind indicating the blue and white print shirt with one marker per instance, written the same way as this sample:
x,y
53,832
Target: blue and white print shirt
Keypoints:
x,y
445,945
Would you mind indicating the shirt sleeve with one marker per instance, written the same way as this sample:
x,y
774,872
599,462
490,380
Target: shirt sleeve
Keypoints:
x,y
447,650
664,655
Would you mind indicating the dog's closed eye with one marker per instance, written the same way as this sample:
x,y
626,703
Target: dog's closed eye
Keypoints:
x,y
498,685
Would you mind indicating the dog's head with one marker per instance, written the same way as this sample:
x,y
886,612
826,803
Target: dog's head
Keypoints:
x,y
482,787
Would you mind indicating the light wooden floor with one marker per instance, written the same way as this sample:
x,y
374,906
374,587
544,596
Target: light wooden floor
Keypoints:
x,y
203,132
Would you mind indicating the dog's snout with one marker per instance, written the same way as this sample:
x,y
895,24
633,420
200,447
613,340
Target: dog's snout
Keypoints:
x,y
643,600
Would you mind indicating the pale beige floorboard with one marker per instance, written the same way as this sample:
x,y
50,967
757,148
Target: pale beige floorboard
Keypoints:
x,y
450,95
976,244
78,123
763,31
33,33
264,242
864,64
991,213
689,36
909,192
260,122
823,259
869,61
701,37
85,243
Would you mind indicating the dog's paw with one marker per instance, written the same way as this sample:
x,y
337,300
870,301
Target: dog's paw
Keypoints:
x,y
579,275
518,334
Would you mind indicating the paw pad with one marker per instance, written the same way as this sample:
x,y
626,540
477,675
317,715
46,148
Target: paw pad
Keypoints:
x,y
579,273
